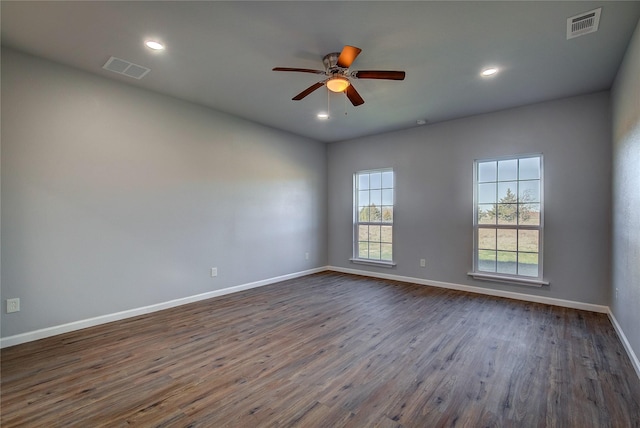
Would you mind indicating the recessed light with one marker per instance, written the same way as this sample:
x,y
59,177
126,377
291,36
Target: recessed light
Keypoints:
x,y
323,116
421,122
152,44
489,71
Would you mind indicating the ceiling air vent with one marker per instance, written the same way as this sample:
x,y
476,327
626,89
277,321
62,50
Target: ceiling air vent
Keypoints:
x,y
584,23
127,68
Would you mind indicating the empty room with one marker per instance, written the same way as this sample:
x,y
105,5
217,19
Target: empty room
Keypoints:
x,y
320,214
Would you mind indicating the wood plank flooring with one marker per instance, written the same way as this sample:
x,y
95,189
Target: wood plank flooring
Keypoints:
x,y
330,350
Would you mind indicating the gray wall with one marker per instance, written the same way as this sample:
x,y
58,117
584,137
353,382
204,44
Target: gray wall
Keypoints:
x,y
115,198
434,196
625,291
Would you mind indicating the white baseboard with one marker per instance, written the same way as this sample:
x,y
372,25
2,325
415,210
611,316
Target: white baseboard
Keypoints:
x,y
627,346
103,319
479,290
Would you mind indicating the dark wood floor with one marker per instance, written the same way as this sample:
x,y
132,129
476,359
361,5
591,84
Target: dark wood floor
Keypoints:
x,y
330,350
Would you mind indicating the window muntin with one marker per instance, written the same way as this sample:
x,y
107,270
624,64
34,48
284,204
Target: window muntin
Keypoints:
x,y
373,215
508,217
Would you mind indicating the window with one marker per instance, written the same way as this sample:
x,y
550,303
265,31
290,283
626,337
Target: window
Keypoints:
x,y
373,216
508,219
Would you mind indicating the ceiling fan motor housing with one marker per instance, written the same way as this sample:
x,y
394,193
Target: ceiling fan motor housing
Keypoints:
x,y
330,62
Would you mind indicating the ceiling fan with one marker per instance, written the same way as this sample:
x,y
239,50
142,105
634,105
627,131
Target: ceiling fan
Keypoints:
x,y
336,68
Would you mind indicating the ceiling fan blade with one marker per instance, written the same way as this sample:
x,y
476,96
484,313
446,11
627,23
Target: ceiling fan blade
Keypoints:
x,y
307,91
347,56
300,70
354,96
380,74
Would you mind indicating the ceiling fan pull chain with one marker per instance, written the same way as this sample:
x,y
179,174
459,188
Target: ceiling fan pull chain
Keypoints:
x,y
328,104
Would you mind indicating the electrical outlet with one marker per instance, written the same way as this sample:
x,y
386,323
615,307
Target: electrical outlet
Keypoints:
x,y
617,293
214,272
306,256
423,263
13,305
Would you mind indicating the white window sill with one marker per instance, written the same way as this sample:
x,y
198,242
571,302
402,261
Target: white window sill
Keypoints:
x,y
381,263
507,279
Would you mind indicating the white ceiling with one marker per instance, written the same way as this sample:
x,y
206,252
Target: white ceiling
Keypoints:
x,y
220,54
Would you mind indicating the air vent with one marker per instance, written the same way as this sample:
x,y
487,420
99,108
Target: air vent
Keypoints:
x,y
584,23
127,68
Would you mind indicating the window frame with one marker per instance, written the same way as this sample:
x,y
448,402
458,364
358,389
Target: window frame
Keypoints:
x,y
506,277
355,258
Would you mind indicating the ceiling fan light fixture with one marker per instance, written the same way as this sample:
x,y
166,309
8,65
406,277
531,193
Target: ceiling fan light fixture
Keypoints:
x,y
338,84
